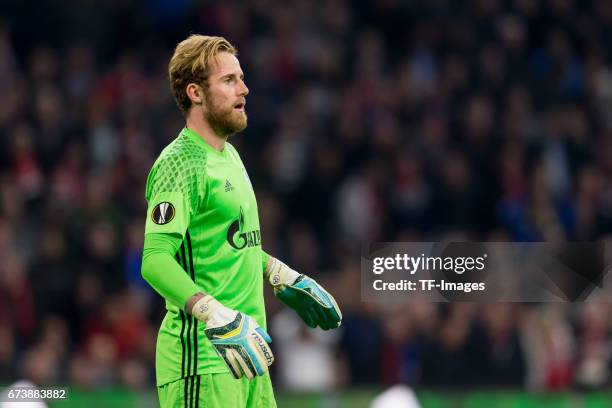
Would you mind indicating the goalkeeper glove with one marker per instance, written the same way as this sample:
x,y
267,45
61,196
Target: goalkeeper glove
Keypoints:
x,y
236,337
303,294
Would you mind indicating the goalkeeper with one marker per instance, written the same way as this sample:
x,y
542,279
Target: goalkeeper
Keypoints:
x,y
202,248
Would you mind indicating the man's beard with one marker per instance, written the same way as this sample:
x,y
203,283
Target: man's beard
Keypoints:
x,y
224,121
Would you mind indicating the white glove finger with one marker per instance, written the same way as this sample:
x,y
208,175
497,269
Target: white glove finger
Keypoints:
x,y
264,341
258,345
232,362
244,361
268,355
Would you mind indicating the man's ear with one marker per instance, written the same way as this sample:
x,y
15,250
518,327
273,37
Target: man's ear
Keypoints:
x,y
195,93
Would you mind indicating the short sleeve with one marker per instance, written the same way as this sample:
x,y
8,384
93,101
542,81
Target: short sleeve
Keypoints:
x,y
174,193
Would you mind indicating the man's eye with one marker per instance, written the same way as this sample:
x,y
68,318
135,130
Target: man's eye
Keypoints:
x,y
228,80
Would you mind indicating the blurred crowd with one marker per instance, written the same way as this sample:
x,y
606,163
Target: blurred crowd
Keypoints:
x,y
369,120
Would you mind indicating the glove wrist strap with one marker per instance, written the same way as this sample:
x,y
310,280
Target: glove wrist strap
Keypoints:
x,y
205,307
280,274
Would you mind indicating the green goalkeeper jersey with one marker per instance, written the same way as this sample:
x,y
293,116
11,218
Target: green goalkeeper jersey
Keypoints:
x,y
205,196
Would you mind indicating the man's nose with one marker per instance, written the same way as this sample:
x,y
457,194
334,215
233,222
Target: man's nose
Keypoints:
x,y
244,90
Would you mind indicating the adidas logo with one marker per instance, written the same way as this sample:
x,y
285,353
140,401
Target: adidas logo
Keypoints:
x,y
228,186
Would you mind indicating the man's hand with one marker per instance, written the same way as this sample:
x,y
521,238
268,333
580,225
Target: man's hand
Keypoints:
x,y
237,338
303,294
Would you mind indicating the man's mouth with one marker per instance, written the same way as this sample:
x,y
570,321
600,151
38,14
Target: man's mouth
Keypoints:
x,y
240,106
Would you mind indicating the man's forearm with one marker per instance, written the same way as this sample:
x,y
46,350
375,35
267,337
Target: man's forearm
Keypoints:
x,y
164,274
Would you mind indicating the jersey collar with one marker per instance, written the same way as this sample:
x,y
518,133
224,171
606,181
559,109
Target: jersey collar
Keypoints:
x,y
196,137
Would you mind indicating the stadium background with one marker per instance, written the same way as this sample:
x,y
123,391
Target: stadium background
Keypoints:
x,y
391,120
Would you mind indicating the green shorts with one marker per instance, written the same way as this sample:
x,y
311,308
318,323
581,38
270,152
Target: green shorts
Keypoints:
x,y
217,390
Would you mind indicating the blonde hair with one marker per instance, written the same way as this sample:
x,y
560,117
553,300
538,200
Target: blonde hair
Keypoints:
x,y
191,64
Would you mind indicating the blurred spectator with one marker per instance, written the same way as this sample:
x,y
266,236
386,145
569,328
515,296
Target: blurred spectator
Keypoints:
x,y
306,360
593,370
8,354
549,345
